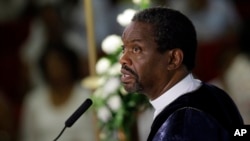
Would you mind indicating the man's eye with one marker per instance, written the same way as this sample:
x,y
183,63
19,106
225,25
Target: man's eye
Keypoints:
x,y
136,49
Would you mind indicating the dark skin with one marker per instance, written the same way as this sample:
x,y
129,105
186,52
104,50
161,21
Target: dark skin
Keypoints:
x,y
144,68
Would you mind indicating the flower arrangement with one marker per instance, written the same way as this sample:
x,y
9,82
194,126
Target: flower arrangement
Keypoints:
x,y
116,109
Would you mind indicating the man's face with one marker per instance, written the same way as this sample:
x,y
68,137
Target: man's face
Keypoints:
x,y
143,66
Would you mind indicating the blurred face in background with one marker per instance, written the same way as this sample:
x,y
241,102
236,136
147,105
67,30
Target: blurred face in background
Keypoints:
x,y
58,68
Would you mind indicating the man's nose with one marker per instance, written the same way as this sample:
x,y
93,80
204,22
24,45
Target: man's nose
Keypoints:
x,y
125,59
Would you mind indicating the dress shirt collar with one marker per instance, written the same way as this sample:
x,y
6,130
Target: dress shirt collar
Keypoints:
x,y
186,85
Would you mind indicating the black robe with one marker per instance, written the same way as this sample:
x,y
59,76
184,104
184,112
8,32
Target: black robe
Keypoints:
x,y
206,114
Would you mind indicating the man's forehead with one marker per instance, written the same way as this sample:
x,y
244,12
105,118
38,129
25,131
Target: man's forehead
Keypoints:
x,y
137,29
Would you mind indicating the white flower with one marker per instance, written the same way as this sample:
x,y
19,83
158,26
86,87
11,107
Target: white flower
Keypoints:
x,y
125,18
111,44
123,91
111,86
102,80
103,91
137,1
140,1
103,114
102,65
114,102
115,69
98,93
103,135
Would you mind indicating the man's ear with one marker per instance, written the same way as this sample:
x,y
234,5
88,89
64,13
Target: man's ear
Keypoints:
x,y
175,58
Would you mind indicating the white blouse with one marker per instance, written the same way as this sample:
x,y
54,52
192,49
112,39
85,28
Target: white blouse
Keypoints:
x,y
41,121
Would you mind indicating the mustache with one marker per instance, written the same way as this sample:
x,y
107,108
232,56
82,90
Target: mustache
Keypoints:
x,y
130,70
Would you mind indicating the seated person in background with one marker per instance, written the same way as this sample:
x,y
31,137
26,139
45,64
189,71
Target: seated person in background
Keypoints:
x,y
47,107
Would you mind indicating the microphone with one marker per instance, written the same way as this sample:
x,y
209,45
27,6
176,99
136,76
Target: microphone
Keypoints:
x,y
72,119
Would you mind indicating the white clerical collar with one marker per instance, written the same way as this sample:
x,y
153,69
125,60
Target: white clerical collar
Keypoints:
x,y
186,85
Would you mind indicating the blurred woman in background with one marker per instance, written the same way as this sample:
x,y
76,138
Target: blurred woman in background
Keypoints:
x,y
47,107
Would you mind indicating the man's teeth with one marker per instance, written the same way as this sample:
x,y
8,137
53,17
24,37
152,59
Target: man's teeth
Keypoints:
x,y
125,75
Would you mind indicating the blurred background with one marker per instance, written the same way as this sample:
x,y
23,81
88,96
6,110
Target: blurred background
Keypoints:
x,y
29,28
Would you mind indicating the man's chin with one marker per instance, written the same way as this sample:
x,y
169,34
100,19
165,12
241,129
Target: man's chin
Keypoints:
x,y
131,88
